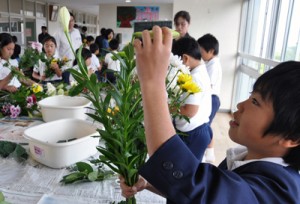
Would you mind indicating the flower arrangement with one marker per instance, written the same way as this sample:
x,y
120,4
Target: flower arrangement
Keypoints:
x,y
49,72
31,55
23,102
180,85
119,110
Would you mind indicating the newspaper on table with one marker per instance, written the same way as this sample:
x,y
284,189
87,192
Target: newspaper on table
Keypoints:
x,y
32,182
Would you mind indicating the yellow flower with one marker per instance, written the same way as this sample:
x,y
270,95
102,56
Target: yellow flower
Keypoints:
x,y
36,88
116,109
190,87
65,59
54,61
64,17
183,78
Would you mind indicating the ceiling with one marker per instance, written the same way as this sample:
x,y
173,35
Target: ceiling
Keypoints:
x,y
92,6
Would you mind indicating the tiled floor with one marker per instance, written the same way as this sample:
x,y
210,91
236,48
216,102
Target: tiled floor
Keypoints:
x,y
220,126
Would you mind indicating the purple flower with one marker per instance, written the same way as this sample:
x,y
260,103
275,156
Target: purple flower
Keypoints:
x,y
14,111
6,109
37,46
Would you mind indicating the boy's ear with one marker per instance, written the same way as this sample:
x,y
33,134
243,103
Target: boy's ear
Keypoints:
x,y
185,58
288,143
211,51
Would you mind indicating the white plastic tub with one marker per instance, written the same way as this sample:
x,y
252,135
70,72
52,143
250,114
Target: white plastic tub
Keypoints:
x,y
49,142
60,107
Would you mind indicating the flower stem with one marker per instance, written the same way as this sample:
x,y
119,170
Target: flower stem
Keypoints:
x,y
131,200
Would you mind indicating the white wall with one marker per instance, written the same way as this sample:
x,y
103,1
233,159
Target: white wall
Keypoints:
x,y
108,17
222,19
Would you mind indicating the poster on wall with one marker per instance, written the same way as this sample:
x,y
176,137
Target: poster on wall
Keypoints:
x,y
127,15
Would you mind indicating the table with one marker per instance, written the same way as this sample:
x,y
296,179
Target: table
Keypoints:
x,y
32,182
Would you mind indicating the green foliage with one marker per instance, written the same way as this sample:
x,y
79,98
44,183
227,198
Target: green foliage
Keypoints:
x,y
30,58
121,113
11,149
29,107
85,172
2,199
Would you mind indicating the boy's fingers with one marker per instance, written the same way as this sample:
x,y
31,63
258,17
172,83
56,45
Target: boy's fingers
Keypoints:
x,y
157,35
137,45
167,39
146,39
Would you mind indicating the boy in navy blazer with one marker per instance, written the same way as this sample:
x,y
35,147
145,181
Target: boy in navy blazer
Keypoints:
x,y
264,170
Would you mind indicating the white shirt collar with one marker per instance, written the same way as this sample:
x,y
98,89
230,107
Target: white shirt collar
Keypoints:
x,y
236,155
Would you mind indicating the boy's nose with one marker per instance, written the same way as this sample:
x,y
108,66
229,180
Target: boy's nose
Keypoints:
x,y
240,105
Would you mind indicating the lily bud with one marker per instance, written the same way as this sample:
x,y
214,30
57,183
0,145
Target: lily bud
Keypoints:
x,y
64,17
174,33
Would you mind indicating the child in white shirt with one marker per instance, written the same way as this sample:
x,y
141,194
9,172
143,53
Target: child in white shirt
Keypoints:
x,y
113,66
95,63
196,132
209,49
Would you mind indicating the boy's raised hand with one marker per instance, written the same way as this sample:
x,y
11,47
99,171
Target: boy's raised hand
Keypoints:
x,y
152,56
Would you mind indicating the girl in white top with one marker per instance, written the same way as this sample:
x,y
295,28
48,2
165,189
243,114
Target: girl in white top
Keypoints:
x,y
7,47
40,69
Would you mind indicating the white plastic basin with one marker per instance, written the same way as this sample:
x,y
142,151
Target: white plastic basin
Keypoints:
x,y
60,107
60,143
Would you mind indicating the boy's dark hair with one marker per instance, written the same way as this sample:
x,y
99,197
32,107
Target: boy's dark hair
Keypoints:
x,y
15,39
188,46
102,31
183,14
90,38
94,47
84,28
281,87
85,54
209,42
49,38
114,44
44,28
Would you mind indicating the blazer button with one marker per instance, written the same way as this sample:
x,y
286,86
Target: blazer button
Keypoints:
x,y
168,165
178,174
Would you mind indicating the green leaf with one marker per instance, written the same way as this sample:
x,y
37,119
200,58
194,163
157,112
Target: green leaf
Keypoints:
x,y
92,176
73,177
84,167
1,197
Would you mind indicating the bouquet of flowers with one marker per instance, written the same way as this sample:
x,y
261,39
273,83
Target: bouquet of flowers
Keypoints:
x,y
31,55
179,85
23,102
49,72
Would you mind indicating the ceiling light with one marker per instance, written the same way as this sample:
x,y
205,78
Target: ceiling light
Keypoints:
x,y
127,1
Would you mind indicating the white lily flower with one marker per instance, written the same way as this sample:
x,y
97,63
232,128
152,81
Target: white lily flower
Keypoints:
x,y
51,90
64,18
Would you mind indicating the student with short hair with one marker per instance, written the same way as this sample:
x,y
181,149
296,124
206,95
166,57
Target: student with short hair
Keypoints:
x,y
196,133
113,66
264,170
209,49
95,63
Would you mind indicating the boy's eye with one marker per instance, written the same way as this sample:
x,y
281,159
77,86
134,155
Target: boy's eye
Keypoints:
x,y
254,101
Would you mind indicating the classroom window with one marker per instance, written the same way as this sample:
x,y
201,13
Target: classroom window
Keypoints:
x,y
270,34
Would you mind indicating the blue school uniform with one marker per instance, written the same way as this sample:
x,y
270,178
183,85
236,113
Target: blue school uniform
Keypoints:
x,y
183,179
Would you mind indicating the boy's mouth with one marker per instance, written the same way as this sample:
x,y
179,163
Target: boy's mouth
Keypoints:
x,y
233,123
